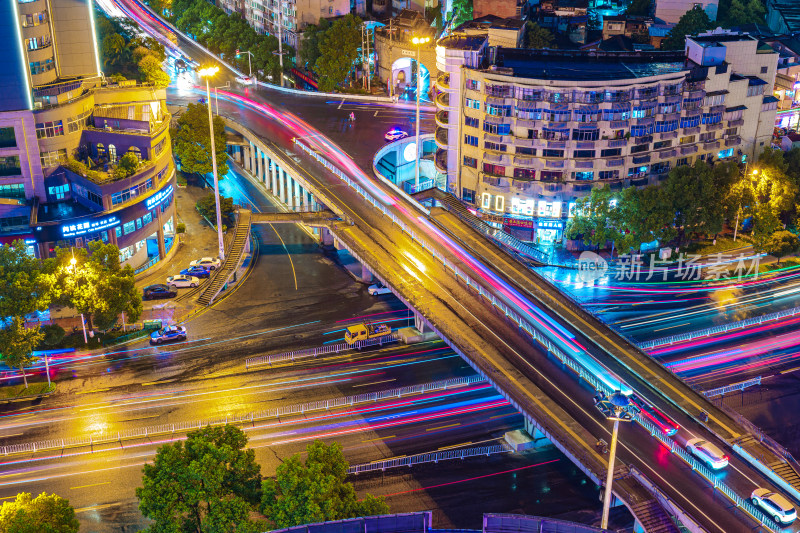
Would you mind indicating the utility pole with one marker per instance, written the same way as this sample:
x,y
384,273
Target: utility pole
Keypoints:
x,y
280,38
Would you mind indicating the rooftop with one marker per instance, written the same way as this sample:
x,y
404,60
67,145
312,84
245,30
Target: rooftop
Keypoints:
x,y
62,211
789,11
720,36
463,42
588,65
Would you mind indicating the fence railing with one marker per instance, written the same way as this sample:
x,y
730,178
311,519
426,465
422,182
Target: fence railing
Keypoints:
x,y
722,328
320,350
740,386
432,457
249,417
147,265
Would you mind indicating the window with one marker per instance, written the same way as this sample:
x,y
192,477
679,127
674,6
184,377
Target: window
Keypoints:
x,y
58,192
49,129
494,146
473,85
498,110
135,151
585,135
499,203
497,129
139,223
552,153
662,144
608,174
472,103
692,103
471,140
40,67
711,118
498,90
472,122
690,122
36,43
582,115
708,137
34,19
725,153
755,90
112,153
12,190
524,150
642,111
583,176
550,175
764,70
660,168
637,172
555,134
118,231
687,140
75,124
682,162
730,132
470,162
641,131
663,126
53,158
524,174
583,153
639,148
611,152
486,200
558,115
665,109
495,170
9,166
8,138
160,146
529,94
85,193
129,227
132,192
468,195
618,113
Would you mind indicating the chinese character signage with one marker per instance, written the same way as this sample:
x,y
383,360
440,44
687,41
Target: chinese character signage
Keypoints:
x,y
89,226
158,197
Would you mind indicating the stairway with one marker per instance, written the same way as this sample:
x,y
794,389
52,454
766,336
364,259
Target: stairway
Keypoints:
x,y
653,518
232,259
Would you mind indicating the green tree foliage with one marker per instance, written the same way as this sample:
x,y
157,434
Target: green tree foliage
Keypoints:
x,y
695,197
433,15
460,12
52,334
692,22
309,46
732,13
207,206
782,243
765,223
338,52
47,513
96,285
123,48
126,166
114,50
537,37
17,344
209,483
640,7
150,71
160,6
191,142
315,491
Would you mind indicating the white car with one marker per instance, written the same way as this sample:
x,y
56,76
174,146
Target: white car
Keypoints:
x,y
209,263
182,281
774,505
377,289
245,80
707,452
395,134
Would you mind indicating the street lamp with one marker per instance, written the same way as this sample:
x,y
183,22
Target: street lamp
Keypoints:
x,y
738,211
216,96
616,408
418,42
72,265
207,73
249,63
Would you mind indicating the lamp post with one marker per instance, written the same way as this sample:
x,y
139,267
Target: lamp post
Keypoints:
x,y
738,211
616,408
418,42
249,63
72,265
207,73
216,96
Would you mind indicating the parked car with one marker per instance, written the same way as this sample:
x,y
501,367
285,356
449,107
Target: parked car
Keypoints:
x,y
775,505
158,292
664,423
196,271
209,263
181,281
377,289
707,452
245,80
168,334
395,134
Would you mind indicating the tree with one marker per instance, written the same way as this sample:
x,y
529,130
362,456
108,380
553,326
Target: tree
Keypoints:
x,y
126,166
52,334
732,13
765,223
640,8
160,6
537,37
692,22
150,71
782,243
595,219
47,513
309,46
315,491
338,51
695,198
207,206
191,142
96,285
209,483
17,344
460,12
114,50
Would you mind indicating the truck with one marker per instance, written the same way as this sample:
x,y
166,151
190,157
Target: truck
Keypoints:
x,y
366,331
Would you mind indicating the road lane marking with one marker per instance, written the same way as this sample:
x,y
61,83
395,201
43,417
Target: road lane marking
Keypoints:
x,y
376,114
670,327
380,438
444,427
96,507
93,390
340,104
92,485
157,382
375,383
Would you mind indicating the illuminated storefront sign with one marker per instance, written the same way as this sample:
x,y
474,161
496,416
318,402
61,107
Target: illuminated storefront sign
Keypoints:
x,y
158,197
88,226
550,224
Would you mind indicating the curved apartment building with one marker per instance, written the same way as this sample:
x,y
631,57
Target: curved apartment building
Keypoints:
x,y
522,134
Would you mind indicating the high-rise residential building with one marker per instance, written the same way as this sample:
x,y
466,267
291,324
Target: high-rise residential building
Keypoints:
x,y
286,18
522,134
64,128
671,11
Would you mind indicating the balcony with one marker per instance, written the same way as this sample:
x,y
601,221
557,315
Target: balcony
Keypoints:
x,y
691,131
686,150
497,157
441,137
670,116
646,121
669,135
443,82
737,122
670,98
666,154
440,161
641,159
585,145
497,182
584,164
523,186
442,117
527,143
527,123
714,127
733,141
697,93
555,163
557,145
495,100
525,160
443,100
710,145
617,143
619,124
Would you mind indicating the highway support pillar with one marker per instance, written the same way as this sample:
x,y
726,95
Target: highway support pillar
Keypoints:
x,y
298,195
273,183
539,438
420,324
326,237
366,274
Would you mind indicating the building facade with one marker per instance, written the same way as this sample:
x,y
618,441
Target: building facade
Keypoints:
x,y
522,134
285,18
62,134
671,11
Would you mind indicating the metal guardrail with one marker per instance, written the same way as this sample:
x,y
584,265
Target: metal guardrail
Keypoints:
x,y
431,457
242,418
320,350
720,391
722,328
147,265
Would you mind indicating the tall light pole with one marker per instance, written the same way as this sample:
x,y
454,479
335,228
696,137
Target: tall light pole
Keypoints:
x,y
616,408
216,96
738,211
249,63
418,42
207,73
280,39
72,265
